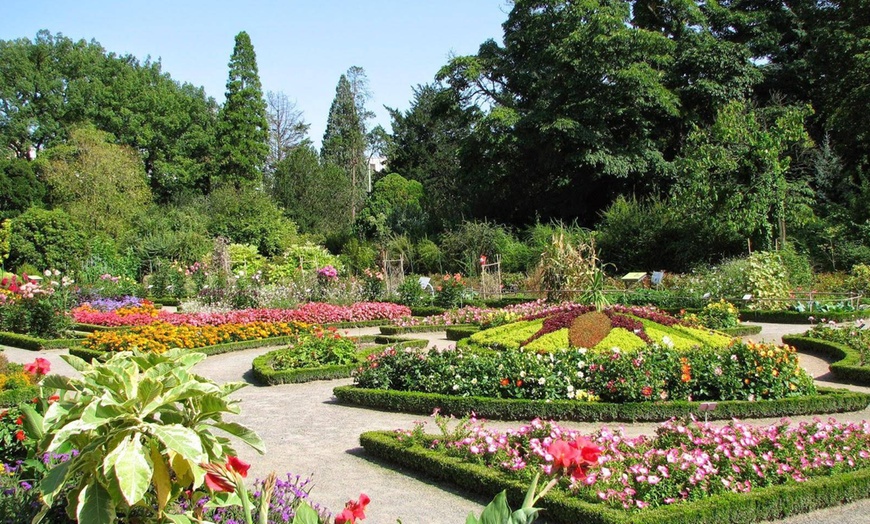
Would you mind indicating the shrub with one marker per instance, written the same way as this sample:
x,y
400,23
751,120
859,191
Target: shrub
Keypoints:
x,y
588,329
46,240
317,348
719,315
412,294
146,422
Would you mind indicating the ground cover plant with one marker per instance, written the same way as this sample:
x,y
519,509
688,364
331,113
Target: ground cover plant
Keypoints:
x,y
664,477
311,313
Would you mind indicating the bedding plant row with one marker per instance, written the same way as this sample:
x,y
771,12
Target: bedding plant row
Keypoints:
x,y
687,472
848,346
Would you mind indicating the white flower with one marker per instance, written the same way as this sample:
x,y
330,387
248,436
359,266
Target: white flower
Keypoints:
x,y
522,374
582,351
542,381
455,387
571,394
666,341
47,272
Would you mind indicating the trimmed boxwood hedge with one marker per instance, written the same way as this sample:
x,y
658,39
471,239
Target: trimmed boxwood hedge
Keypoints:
x,y
13,397
90,328
847,366
741,331
457,333
784,317
398,330
828,401
426,311
217,349
559,506
17,340
264,373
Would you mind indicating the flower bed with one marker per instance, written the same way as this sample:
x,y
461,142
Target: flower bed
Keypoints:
x,y
685,473
161,336
311,313
320,359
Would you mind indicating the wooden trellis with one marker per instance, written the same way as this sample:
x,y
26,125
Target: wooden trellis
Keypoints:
x,y
490,279
394,274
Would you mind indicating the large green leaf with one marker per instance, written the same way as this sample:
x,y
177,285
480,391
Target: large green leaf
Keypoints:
x,y
33,422
161,479
95,506
57,382
130,468
53,481
247,435
76,363
497,511
179,439
306,515
72,429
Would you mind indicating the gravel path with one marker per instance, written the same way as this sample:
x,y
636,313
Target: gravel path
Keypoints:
x,y
306,432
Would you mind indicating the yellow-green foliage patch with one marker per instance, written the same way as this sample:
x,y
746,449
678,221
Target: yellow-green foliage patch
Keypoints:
x,y
509,335
621,338
708,337
550,342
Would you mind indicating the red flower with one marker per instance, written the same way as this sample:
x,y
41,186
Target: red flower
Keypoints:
x,y
574,457
519,383
646,391
54,398
505,382
19,435
217,477
353,510
38,367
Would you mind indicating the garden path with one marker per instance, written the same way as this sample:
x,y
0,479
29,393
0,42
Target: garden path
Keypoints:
x,y
306,432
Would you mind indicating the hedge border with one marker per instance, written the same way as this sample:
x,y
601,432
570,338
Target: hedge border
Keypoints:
x,y
399,330
828,401
217,349
13,397
457,333
17,340
266,376
741,331
784,317
847,365
761,504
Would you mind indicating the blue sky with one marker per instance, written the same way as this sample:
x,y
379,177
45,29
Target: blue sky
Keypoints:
x,y
302,46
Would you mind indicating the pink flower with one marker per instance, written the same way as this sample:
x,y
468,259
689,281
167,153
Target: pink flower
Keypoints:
x,y
353,510
38,367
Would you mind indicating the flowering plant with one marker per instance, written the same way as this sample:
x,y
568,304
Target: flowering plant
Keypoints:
x,y
328,273
35,307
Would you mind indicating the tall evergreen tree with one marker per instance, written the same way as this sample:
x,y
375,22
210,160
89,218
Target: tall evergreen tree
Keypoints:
x,y
243,130
344,141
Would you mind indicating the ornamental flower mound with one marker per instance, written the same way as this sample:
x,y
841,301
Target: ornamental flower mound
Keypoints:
x,y
309,313
681,462
632,328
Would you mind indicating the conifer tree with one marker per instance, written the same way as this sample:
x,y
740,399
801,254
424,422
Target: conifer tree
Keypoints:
x,y
243,130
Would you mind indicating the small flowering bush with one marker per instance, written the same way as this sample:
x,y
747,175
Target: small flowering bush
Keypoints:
x,y
318,348
373,284
161,336
450,291
717,315
681,462
742,371
35,308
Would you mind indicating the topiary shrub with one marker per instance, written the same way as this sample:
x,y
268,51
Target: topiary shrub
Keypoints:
x,y
589,329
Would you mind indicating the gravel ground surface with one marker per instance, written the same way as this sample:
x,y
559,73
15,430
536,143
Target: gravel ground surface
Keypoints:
x,y
306,432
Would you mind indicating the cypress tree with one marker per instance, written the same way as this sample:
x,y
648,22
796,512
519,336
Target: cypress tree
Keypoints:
x,y
243,130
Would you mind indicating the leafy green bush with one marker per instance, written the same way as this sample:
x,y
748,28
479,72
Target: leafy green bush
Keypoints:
x,y
142,424
412,294
46,240
718,315
315,349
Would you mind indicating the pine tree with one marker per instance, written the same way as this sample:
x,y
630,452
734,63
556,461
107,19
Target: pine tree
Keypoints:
x,y
243,130
344,141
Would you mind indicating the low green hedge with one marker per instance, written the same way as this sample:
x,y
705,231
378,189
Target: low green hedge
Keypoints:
x,y
13,397
459,332
426,311
398,330
783,317
358,324
90,328
17,340
828,401
508,301
217,349
847,365
561,507
264,373
741,331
